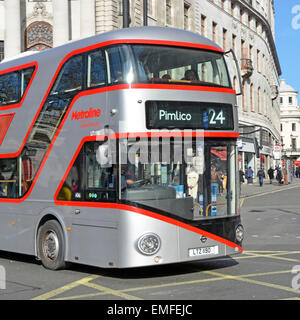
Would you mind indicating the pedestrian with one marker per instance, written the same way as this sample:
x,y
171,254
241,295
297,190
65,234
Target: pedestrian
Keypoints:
x,y
242,174
279,175
285,175
249,175
261,175
271,174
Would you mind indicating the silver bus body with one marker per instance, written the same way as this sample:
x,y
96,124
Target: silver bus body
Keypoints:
x,y
103,234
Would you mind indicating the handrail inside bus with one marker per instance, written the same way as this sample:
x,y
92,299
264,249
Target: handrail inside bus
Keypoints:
x,y
213,204
198,205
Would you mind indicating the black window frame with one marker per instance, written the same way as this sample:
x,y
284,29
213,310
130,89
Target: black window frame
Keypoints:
x,y
19,94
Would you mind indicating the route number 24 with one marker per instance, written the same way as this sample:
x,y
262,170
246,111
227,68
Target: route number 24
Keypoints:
x,y
216,117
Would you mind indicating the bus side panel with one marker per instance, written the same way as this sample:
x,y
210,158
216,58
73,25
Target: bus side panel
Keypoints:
x,y
132,227
93,236
8,231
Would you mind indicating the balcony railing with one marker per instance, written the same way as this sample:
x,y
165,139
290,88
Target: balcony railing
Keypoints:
x,y
291,150
247,67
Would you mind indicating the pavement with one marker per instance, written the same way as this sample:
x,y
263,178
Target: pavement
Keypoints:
x,y
254,188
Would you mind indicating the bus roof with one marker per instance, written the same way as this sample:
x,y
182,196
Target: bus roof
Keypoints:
x,y
142,33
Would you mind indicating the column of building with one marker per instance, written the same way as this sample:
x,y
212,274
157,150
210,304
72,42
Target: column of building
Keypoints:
x,y
12,35
87,18
60,22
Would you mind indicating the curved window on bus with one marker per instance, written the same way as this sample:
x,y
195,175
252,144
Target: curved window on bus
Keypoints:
x,y
70,78
190,179
119,65
96,69
90,179
13,86
8,178
173,65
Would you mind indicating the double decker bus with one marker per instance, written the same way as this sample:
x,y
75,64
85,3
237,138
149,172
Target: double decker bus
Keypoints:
x,y
119,151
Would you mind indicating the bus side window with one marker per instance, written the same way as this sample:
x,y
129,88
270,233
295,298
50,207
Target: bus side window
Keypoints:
x,y
26,75
115,65
70,77
9,88
96,72
8,178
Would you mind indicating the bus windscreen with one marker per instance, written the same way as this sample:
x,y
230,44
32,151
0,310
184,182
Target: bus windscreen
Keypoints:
x,y
176,65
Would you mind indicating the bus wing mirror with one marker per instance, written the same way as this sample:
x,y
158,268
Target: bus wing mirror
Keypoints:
x,y
103,156
237,67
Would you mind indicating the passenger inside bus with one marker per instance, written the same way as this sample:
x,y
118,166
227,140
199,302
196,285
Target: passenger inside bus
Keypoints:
x,y
190,75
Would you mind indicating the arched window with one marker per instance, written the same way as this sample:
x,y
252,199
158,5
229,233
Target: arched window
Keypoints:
x,y
38,36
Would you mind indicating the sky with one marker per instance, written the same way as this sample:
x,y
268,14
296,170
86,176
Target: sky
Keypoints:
x,y
287,40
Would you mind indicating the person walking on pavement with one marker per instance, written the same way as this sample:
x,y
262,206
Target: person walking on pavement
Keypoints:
x,y
249,175
242,174
271,174
261,175
279,175
284,175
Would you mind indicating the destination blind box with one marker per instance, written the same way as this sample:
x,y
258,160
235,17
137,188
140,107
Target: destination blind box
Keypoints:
x,y
188,115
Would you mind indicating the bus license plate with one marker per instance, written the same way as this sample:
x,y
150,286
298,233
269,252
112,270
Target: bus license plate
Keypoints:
x,y
203,251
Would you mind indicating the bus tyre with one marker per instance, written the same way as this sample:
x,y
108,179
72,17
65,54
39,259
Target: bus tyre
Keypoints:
x,y
51,245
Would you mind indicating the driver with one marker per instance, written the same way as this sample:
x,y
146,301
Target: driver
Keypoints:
x,y
127,178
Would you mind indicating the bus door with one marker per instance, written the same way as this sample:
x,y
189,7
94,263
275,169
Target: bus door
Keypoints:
x,y
220,189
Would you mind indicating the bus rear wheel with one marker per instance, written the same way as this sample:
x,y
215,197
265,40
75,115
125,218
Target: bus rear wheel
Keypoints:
x,y
51,245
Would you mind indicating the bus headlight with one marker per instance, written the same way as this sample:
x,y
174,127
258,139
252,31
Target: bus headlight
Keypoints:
x,y
149,243
239,233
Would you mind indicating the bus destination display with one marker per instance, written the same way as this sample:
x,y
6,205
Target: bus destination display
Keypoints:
x,y
188,115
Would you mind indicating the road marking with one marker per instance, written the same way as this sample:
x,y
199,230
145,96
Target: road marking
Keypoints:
x,y
253,254
216,277
65,288
261,283
106,290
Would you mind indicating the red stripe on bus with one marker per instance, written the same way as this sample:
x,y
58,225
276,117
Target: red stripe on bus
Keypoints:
x,y
175,134
5,121
151,214
21,67
182,87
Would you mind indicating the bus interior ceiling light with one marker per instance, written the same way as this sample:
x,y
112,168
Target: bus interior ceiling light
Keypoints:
x,y
149,243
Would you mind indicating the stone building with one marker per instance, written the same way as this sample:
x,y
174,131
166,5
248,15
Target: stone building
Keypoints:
x,y
289,121
246,26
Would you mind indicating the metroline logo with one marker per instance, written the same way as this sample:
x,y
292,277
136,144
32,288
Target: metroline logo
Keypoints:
x,y
91,113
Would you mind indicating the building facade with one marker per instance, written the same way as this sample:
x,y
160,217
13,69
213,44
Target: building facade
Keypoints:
x,y
289,122
246,26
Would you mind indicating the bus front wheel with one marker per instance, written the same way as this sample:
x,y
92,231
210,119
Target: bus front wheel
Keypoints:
x,y
51,245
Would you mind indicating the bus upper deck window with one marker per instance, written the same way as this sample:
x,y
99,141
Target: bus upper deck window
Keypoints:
x,y
70,77
25,79
119,64
96,74
9,88
163,64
